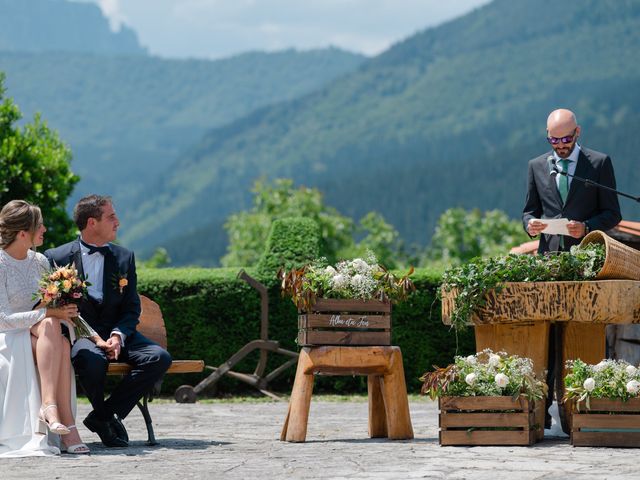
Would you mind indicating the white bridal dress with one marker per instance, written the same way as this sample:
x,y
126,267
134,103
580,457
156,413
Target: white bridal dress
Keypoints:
x,y
19,383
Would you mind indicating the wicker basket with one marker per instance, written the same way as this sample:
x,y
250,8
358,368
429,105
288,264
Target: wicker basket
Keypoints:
x,y
621,261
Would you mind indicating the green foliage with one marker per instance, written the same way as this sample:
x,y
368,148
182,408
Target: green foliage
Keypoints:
x,y
352,279
210,314
612,379
472,281
35,167
381,238
248,231
485,374
461,235
292,243
159,259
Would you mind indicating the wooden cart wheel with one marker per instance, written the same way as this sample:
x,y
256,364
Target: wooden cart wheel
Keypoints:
x,y
185,394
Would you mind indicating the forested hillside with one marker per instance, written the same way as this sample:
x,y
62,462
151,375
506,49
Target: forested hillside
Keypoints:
x,y
447,118
127,118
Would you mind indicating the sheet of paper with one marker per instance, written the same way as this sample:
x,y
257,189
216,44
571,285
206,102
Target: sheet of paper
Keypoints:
x,y
555,226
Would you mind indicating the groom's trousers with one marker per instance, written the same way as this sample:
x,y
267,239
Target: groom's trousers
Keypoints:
x,y
149,362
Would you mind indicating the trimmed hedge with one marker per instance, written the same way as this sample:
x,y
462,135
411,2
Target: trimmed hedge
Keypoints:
x,y
210,314
292,242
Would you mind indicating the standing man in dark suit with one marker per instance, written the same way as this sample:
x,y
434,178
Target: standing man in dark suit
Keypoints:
x,y
560,196
113,310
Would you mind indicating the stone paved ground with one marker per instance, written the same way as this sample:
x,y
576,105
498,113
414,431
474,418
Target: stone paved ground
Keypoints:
x,y
240,440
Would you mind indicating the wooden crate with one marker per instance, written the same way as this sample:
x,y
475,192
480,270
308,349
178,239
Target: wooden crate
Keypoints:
x,y
487,421
607,423
345,322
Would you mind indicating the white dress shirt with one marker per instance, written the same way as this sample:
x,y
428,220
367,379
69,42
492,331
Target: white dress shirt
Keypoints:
x,y
93,267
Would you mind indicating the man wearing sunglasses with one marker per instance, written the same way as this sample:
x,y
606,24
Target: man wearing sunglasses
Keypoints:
x,y
560,196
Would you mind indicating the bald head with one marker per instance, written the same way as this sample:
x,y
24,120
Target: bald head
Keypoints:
x,y
562,125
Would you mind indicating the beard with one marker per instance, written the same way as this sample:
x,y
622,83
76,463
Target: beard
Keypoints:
x,y
564,152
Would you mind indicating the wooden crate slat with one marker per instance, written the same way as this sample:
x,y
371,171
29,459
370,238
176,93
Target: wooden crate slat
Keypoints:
x,y
345,305
320,337
485,403
604,420
605,439
348,320
482,419
606,405
483,437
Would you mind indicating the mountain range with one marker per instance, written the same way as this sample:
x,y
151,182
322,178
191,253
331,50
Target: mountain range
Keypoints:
x,y
448,117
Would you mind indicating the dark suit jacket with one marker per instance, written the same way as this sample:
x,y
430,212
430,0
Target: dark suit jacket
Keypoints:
x,y
117,310
597,207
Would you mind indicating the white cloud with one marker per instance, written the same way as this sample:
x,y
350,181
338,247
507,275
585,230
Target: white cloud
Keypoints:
x,y
220,28
113,11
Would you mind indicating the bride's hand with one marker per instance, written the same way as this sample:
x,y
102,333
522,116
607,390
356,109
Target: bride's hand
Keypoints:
x,y
100,343
63,313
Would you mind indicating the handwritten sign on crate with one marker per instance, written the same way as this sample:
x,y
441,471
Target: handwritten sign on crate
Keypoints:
x,y
345,322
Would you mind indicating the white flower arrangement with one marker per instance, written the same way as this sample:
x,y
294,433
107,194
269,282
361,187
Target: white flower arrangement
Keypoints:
x,y
485,374
359,278
611,379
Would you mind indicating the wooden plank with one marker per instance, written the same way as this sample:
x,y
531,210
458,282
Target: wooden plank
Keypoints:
x,y
337,337
484,403
469,420
151,322
607,405
605,439
348,305
602,301
604,420
177,366
347,320
483,437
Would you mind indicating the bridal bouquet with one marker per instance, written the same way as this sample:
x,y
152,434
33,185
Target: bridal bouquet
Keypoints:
x,y
485,374
362,279
610,379
62,287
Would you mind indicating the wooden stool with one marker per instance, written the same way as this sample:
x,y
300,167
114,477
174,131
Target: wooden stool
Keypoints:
x,y
388,403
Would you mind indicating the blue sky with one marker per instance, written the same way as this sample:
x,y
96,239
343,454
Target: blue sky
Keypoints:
x,y
221,28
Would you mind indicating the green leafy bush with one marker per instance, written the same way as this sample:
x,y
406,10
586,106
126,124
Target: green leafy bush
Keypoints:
x,y
210,314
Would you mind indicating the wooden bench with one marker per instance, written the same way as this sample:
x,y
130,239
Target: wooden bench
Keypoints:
x,y
152,326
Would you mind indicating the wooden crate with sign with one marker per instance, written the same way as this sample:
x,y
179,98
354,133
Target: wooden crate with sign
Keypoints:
x,y
345,322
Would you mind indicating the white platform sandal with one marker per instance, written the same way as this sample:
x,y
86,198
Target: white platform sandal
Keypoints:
x,y
78,448
54,427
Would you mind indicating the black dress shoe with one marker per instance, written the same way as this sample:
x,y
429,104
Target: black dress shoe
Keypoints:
x,y
105,430
118,427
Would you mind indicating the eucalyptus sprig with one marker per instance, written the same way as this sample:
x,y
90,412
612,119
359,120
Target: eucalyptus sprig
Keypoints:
x,y
471,282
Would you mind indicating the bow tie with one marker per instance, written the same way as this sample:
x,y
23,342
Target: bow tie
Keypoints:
x,y
104,250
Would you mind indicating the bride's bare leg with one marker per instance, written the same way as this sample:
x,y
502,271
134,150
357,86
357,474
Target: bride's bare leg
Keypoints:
x,y
48,345
63,395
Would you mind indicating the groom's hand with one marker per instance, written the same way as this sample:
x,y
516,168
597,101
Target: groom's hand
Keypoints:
x,y
113,347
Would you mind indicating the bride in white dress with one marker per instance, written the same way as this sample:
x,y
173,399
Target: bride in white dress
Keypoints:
x,y
37,387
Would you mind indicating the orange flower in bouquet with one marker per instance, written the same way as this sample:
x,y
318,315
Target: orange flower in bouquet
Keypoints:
x,y
62,287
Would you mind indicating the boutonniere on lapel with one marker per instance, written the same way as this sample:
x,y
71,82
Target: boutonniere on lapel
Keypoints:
x,y
120,281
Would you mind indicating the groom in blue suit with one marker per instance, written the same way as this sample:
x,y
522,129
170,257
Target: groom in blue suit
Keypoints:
x,y
113,310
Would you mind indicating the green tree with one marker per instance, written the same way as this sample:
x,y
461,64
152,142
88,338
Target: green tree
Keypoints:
x,y
248,231
34,166
461,235
381,238
159,259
